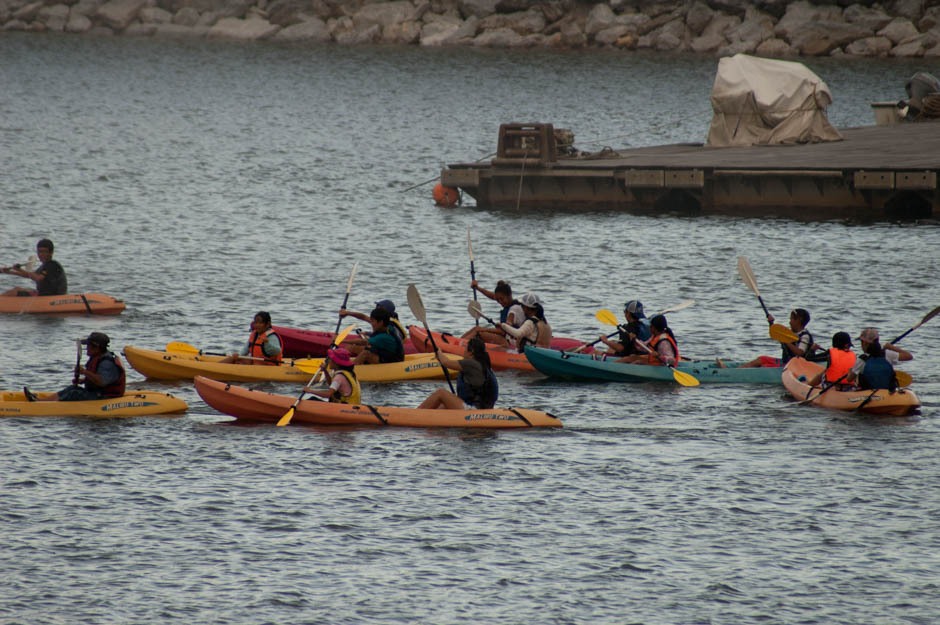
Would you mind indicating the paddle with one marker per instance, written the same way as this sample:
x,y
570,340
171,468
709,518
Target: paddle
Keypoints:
x,y
417,309
476,311
933,313
78,361
473,273
309,365
337,339
777,332
28,265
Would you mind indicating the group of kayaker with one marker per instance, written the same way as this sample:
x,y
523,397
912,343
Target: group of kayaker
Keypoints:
x,y
50,277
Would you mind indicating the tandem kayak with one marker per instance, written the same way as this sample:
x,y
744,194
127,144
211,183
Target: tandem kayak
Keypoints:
x,y
258,406
297,343
161,365
593,367
70,304
137,404
881,402
500,357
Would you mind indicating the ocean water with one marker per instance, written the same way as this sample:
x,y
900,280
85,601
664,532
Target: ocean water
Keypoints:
x,y
204,181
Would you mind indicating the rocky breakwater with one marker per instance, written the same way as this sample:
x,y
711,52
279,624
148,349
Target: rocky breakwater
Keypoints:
x,y
774,28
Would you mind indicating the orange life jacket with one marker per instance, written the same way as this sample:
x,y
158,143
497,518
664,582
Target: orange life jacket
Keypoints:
x,y
654,358
116,388
840,363
256,342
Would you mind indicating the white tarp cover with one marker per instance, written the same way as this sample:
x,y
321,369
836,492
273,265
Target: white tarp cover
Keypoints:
x,y
764,102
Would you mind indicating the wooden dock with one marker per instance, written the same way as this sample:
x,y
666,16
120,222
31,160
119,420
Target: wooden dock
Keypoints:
x,y
875,172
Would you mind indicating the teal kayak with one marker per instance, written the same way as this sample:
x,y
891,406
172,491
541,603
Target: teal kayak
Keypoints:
x,y
592,367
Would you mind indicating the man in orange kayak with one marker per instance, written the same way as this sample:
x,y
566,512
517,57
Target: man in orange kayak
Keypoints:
x,y
49,278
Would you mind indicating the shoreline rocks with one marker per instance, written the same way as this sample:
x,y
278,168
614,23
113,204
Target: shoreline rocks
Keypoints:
x,y
772,28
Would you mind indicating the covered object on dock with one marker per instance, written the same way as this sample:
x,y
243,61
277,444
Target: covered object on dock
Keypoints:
x,y
766,102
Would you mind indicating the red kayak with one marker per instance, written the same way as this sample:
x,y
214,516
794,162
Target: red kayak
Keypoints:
x,y
314,343
500,357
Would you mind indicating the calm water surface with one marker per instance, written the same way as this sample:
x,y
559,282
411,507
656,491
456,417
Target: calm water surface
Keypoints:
x,y
204,182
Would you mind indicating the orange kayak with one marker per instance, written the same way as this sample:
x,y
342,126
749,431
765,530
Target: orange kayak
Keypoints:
x,y
881,402
500,357
69,304
249,405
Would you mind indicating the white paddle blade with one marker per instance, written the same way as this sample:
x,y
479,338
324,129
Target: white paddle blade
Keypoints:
x,y
474,308
747,274
416,305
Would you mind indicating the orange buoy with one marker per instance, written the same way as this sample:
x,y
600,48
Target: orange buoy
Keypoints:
x,y
445,196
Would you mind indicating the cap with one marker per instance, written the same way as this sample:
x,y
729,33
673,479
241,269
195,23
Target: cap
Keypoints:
x,y
341,356
868,335
97,338
635,308
387,304
841,340
530,300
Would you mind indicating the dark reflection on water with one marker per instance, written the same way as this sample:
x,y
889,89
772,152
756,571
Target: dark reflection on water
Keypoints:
x,y
203,182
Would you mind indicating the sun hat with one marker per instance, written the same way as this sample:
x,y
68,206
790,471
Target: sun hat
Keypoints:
x,y
97,338
530,300
869,335
341,356
635,308
387,304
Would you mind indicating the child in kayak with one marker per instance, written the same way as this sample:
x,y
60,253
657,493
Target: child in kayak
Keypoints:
x,y
839,362
476,383
803,346
263,347
663,348
341,379
511,313
636,328
535,330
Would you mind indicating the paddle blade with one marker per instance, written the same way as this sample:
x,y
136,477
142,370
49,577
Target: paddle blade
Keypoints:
x,y
469,244
904,378
677,307
309,365
474,308
606,317
684,378
782,334
287,416
339,338
416,305
747,274
181,348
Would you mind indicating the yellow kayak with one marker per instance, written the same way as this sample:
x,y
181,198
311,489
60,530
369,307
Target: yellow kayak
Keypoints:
x,y
161,365
135,404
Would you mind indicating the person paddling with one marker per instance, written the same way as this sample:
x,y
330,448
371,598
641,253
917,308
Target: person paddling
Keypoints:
x,y
873,370
103,372
802,347
535,330
50,277
343,385
394,324
476,383
382,346
263,347
636,328
510,313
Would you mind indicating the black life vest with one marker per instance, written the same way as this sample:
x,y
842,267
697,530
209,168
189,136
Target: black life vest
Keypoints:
x,y
483,396
878,373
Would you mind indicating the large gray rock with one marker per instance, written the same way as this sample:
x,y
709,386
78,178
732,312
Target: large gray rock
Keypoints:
x,y
359,35
285,13
822,37
524,23
85,7
384,13
599,18
28,12
698,17
930,19
77,23
911,9
909,48
803,14
869,46
720,25
756,27
242,30
54,17
155,15
476,8
704,44
117,14
502,38
898,30
187,16
312,30
402,33
867,17
775,48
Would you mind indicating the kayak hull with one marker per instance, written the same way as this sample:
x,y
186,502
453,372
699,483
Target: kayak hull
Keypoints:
x,y
70,304
588,367
161,365
297,343
258,406
882,403
137,404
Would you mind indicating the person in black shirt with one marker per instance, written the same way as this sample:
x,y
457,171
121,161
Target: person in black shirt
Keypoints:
x,y
49,278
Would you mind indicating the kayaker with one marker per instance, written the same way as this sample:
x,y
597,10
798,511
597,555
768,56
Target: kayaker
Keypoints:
x,y
873,370
50,277
535,330
803,346
636,328
382,345
341,379
839,361
476,383
510,313
104,374
893,353
395,325
263,347
664,350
